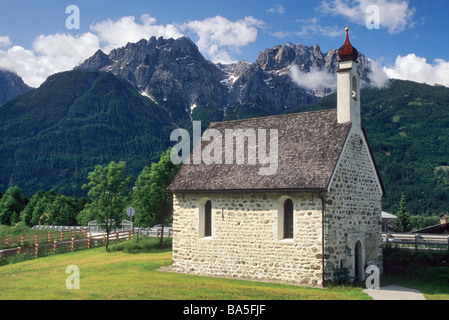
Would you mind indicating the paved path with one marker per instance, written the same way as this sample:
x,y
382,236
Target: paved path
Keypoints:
x,y
394,293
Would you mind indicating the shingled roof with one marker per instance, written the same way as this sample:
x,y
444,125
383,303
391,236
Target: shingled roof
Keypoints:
x,y
309,145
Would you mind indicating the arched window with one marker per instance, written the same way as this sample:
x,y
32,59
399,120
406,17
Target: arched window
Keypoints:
x,y
208,219
288,219
354,88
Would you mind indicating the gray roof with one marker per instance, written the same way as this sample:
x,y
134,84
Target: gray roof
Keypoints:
x,y
386,215
309,145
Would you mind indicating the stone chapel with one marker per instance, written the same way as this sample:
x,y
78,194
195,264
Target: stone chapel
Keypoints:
x,y
320,211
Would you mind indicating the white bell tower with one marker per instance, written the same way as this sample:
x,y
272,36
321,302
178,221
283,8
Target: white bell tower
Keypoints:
x,y
348,85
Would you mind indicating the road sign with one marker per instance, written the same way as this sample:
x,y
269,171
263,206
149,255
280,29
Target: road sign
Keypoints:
x,y
130,212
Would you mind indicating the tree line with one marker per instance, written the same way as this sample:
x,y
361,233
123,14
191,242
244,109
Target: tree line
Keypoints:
x,y
109,193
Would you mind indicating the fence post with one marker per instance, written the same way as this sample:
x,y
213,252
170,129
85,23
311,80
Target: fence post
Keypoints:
x,y
72,244
116,237
73,233
88,242
129,234
22,240
36,249
85,232
7,241
54,245
416,241
1,254
447,242
49,236
18,250
62,235
104,239
35,238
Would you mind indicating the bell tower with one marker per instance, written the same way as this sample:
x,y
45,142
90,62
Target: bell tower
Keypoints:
x,y
348,85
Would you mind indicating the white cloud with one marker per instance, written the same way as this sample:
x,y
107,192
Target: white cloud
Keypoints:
x,y
218,35
49,54
5,41
377,76
115,34
311,28
71,47
315,79
277,9
395,15
414,68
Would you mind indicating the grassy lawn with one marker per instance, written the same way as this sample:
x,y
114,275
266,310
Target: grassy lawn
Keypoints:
x,y
425,271
134,276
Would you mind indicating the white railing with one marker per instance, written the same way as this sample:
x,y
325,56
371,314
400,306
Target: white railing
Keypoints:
x,y
417,241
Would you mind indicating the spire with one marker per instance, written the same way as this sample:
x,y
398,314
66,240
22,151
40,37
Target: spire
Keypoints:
x,y
347,51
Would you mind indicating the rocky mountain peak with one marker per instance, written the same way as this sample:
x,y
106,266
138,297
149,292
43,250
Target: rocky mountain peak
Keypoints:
x,y
11,85
174,68
97,61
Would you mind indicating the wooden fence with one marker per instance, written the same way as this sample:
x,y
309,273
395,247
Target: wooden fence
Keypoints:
x,y
417,241
39,238
63,244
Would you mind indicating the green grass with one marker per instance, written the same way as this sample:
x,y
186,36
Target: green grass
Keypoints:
x,y
424,270
142,244
130,271
121,275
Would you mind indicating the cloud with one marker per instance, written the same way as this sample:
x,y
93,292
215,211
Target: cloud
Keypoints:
x,y
218,36
277,9
5,42
115,34
378,77
414,68
315,79
49,54
394,15
310,28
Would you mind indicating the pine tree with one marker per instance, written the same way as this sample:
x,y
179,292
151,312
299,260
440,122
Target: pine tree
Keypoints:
x,y
403,223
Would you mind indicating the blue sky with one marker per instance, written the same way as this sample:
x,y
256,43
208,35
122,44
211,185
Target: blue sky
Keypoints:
x,y
408,42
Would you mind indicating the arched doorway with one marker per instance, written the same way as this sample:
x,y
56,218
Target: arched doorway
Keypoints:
x,y
358,262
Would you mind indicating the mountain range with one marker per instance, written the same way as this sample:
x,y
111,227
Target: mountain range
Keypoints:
x,y
123,106
168,68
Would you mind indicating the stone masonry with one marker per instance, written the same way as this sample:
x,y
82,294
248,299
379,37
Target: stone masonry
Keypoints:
x,y
245,241
354,210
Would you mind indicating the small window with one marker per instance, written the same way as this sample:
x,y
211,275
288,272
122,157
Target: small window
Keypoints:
x,y
354,88
208,219
288,219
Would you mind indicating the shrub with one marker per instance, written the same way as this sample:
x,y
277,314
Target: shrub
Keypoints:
x,y
142,244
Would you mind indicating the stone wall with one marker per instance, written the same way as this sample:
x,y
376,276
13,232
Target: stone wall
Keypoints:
x,y
245,241
354,210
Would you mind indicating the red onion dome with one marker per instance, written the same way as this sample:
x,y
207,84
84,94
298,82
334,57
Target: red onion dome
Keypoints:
x,y
347,51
